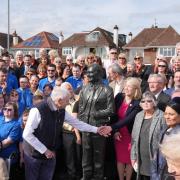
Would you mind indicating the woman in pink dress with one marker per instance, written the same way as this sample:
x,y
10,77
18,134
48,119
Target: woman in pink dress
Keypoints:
x,y
127,106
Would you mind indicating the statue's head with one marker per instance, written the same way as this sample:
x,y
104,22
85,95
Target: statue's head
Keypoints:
x,y
94,73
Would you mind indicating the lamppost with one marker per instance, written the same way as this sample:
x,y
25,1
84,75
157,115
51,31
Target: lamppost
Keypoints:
x,y
8,43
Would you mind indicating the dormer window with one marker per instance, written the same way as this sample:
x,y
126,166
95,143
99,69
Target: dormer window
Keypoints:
x,y
94,36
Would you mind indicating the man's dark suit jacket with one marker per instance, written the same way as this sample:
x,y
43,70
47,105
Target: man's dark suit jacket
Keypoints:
x,y
163,100
131,112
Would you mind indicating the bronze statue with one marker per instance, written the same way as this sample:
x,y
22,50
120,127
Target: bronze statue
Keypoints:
x,y
96,106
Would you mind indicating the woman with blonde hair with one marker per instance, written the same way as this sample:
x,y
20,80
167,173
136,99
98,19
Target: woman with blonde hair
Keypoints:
x,y
122,61
19,58
53,53
90,59
127,106
42,71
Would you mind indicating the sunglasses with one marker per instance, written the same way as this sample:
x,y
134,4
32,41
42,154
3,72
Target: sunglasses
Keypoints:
x,y
14,95
122,58
50,70
30,74
148,101
23,82
68,59
58,62
7,109
114,53
161,65
137,58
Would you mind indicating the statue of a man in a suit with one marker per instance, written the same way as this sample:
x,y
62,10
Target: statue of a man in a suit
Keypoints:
x,y
96,105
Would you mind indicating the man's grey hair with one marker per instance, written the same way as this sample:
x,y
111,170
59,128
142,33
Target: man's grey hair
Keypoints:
x,y
116,69
69,57
161,76
65,84
178,44
59,93
19,53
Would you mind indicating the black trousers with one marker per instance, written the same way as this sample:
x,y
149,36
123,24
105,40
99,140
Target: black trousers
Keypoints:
x,y
93,156
72,152
143,177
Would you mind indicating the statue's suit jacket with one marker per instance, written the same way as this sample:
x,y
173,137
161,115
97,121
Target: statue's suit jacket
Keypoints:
x,y
96,104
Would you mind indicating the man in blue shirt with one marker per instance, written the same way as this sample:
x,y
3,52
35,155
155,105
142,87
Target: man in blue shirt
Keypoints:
x,y
25,95
50,79
12,76
6,84
75,80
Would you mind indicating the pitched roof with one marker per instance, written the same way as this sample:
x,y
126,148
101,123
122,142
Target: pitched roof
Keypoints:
x,y
81,39
153,37
40,40
3,39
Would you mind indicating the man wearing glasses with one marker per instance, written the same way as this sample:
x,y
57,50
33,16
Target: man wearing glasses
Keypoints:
x,y
50,79
156,84
112,59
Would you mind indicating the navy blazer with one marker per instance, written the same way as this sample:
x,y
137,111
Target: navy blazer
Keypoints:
x,y
131,112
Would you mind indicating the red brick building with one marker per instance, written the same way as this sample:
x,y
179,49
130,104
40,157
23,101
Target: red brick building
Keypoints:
x,y
43,39
152,42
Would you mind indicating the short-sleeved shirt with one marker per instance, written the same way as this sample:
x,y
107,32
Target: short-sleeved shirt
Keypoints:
x,y
43,82
75,82
12,130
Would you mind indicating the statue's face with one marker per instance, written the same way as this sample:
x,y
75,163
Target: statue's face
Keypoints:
x,y
92,74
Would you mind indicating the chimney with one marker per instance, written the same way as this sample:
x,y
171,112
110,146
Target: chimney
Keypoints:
x,y
130,36
15,38
115,35
61,38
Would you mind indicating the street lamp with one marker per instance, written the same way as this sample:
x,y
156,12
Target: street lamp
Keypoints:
x,y
8,43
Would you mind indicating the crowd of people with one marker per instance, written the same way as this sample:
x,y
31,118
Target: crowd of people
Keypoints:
x,y
128,112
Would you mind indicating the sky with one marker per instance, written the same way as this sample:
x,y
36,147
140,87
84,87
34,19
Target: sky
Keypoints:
x,y
29,17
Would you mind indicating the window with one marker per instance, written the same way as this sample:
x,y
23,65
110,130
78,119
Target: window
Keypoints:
x,y
94,36
167,52
37,53
67,51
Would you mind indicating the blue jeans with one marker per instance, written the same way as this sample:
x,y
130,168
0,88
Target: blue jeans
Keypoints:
x,y
39,169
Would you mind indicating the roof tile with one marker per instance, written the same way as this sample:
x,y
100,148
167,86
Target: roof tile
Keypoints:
x,y
40,40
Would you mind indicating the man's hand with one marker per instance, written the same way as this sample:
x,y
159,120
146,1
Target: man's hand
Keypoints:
x,y
117,136
133,162
78,141
50,154
134,165
105,131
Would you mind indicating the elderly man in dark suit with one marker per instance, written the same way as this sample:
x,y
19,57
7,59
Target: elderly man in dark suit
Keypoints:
x,y
96,105
156,85
117,78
